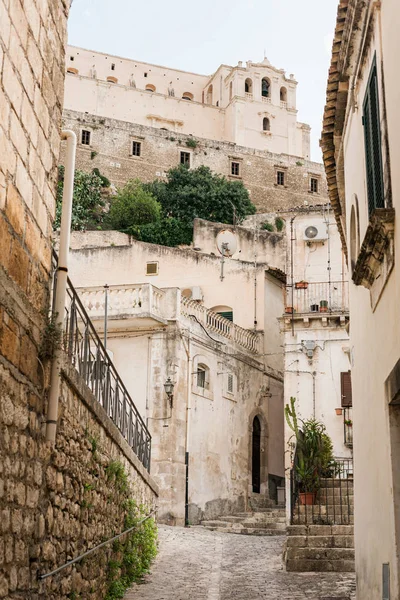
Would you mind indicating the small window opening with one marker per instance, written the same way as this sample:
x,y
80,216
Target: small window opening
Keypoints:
x,y
280,178
283,94
248,86
72,58
150,88
187,96
85,137
230,383
185,158
72,71
152,268
314,185
230,91
203,376
265,88
136,148
112,67
112,79
145,74
235,168
210,94
266,124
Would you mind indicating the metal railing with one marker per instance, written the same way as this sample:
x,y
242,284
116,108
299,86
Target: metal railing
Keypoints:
x,y
214,322
331,504
113,539
91,360
318,297
348,425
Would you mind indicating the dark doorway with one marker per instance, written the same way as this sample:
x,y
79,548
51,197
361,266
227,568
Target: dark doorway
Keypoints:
x,y
256,456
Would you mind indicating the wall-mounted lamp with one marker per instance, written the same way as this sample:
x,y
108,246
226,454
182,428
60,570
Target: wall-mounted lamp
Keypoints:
x,y
169,390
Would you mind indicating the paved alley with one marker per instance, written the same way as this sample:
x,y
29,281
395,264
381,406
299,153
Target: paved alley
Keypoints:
x,y
197,564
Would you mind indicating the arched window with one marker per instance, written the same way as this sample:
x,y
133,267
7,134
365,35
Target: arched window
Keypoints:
x,y
248,86
230,91
283,94
224,311
265,87
72,71
266,124
203,376
187,96
150,88
112,79
210,94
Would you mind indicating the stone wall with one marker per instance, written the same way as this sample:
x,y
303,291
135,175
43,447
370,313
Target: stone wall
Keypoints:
x,y
110,151
55,503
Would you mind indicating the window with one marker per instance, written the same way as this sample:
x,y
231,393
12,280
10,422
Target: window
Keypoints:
x,y
230,383
235,169
280,178
266,88
283,94
203,376
136,148
152,268
266,124
345,380
210,94
145,74
187,96
227,314
150,88
112,79
185,158
248,86
85,137
372,141
112,67
314,185
72,71
230,91
72,58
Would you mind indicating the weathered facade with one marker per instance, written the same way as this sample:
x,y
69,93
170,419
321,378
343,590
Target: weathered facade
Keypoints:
x,y
176,331
361,151
52,499
131,131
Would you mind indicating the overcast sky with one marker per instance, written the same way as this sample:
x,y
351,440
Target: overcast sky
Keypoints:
x,y
295,35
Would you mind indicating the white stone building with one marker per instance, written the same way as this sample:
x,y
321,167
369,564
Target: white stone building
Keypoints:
x,y
164,322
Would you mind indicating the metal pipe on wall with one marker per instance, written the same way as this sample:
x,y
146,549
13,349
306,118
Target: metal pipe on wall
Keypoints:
x,y
61,284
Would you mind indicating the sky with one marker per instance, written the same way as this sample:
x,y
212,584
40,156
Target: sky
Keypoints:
x,y
295,35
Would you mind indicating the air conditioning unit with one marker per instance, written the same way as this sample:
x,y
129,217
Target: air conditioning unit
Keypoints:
x,y
197,294
315,231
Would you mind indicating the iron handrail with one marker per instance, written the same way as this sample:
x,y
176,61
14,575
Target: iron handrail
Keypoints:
x,y
99,373
115,537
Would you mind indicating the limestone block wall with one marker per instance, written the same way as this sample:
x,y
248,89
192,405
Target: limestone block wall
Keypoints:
x,y
55,503
111,151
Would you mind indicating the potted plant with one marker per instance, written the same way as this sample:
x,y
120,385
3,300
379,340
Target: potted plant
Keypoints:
x,y
301,285
289,310
339,411
323,306
314,454
348,422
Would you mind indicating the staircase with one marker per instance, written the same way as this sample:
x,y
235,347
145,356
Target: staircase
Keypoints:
x,y
265,518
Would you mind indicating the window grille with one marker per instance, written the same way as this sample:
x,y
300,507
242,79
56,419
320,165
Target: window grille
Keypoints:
x,y
201,378
230,383
85,137
235,168
314,185
136,148
372,141
185,158
280,177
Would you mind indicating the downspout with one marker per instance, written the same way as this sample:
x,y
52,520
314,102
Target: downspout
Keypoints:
x,y
291,269
61,283
188,409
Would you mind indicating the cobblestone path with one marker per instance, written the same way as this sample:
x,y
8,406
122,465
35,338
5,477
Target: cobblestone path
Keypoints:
x,y
197,564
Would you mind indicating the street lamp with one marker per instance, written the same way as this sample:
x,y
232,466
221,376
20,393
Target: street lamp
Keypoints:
x,y
169,389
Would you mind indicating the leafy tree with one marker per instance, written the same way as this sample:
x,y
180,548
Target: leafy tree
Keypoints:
x,y
191,193
133,206
87,202
166,232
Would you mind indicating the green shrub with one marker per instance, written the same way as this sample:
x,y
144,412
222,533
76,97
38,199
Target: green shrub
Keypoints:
x,y
133,205
279,223
166,232
192,143
87,205
267,226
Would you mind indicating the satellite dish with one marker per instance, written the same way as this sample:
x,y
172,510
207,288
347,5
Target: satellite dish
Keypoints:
x,y
227,242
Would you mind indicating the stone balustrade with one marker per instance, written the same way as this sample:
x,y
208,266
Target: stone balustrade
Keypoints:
x,y
127,299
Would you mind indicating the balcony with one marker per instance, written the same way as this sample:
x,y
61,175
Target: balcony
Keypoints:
x,y
129,306
348,426
213,322
248,96
283,104
266,99
317,299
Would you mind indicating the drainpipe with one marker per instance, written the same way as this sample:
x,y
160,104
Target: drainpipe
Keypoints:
x,y
188,409
61,283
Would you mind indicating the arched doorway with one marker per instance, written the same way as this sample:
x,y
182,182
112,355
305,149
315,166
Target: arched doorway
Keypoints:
x,y
256,456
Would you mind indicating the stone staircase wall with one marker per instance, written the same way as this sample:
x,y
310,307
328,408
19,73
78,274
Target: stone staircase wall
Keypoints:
x,y
320,548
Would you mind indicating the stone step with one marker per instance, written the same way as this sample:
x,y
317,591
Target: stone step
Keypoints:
x,y
325,509
233,518
311,565
323,520
261,525
248,531
215,523
320,530
320,541
330,554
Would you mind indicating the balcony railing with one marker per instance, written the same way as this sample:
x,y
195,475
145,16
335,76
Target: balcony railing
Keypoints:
x,y
91,360
318,297
250,340
248,96
266,99
348,426
131,299
283,104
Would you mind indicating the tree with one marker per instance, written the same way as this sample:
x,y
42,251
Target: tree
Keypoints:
x,y
133,206
87,202
191,193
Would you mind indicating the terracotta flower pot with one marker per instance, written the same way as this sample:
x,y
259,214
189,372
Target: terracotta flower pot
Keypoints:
x,y
307,498
289,310
339,411
301,285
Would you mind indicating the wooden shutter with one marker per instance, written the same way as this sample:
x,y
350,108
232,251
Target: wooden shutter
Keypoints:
x,y
372,140
226,314
345,380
